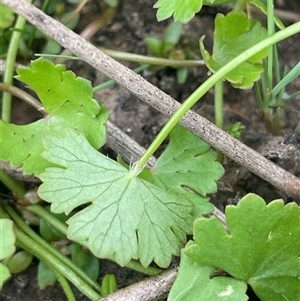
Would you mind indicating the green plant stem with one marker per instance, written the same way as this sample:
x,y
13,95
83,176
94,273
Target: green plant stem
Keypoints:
x,y
291,97
15,186
219,116
208,84
59,276
48,217
137,58
289,77
241,5
271,30
144,59
62,227
64,284
50,250
10,64
50,260
262,7
22,95
3,214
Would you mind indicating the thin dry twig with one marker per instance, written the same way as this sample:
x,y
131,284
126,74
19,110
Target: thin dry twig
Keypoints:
x,y
150,289
288,15
133,82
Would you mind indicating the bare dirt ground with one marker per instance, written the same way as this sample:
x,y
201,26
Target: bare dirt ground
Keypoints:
x,y
135,21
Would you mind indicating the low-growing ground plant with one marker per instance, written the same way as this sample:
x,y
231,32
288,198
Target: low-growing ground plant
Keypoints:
x,y
140,214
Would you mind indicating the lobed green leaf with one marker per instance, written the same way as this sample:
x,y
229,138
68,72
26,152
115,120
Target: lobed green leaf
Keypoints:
x,y
234,34
68,102
187,167
182,11
126,217
195,283
261,248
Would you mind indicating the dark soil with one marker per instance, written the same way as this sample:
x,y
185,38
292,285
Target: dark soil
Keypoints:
x,y
135,21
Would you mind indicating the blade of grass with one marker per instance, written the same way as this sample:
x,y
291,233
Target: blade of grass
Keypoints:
x,y
10,63
295,72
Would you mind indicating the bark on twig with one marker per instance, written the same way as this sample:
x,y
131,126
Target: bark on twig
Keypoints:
x,y
133,82
150,289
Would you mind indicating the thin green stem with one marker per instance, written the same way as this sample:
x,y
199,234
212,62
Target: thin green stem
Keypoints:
x,y
15,186
137,58
62,227
48,217
219,117
50,260
9,67
50,250
59,276
241,5
22,95
271,30
259,97
144,59
208,84
276,64
64,284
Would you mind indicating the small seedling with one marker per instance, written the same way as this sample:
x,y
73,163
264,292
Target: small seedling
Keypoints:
x,y
168,48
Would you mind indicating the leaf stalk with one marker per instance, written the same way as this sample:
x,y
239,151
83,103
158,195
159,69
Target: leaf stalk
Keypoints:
x,y
210,82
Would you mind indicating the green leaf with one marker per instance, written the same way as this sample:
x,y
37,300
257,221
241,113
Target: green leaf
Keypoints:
x,y
127,217
171,36
47,231
187,167
195,283
154,46
68,101
236,129
4,274
7,238
262,7
19,262
234,34
7,247
261,248
84,259
45,276
182,11
108,285
182,74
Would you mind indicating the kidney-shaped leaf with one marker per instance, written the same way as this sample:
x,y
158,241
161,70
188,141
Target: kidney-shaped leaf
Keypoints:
x,y
127,217
262,247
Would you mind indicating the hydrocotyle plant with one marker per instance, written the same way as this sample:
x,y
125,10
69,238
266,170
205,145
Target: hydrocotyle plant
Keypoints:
x,y
67,160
